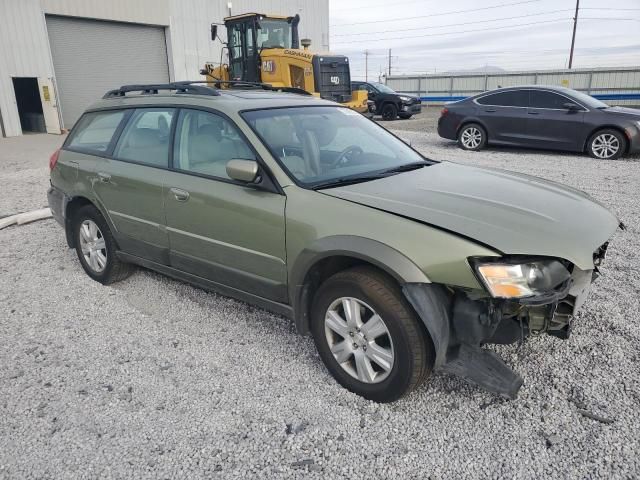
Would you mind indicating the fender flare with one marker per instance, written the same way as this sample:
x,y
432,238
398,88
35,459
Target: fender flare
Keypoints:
x,y
376,253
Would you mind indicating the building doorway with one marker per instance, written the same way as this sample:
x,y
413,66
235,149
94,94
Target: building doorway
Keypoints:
x,y
29,104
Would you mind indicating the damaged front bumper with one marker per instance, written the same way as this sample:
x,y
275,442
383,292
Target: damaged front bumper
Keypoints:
x,y
460,322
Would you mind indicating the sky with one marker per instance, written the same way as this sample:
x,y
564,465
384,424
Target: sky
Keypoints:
x,y
429,36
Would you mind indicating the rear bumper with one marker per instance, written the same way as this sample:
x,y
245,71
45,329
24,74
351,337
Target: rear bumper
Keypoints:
x,y
57,203
446,128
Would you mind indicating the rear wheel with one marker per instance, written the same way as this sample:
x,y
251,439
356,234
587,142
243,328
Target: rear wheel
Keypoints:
x,y
472,137
389,112
96,247
606,144
369,337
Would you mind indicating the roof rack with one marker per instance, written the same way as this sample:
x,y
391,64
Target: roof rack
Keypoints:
x,y
193,88
179,87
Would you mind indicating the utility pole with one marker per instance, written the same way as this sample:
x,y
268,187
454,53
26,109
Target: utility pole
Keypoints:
x,y
389,71
573,37
366,65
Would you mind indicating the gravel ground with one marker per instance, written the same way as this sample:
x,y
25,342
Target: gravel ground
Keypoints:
x,y
153,378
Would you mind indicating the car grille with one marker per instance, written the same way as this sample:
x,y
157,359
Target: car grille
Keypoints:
x,y
332,77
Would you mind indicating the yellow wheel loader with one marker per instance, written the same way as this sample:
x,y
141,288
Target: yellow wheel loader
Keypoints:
x,y
267,49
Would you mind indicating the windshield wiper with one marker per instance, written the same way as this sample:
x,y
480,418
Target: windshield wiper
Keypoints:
x,y
407,167
340,182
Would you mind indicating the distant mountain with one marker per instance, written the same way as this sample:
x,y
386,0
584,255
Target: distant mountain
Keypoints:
x,y
485,69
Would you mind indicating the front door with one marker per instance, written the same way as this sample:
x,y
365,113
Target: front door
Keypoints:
x,y
551,124
219,229
130,185
505,116
244,58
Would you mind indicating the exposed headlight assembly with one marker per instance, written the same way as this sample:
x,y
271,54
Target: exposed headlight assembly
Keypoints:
x,y
521,279
405,99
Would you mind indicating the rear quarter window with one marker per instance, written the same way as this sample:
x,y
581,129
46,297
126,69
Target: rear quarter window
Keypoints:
x,y
94,131
511,98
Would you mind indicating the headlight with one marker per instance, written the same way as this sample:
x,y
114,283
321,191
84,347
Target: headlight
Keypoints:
x,y
518,280
405,99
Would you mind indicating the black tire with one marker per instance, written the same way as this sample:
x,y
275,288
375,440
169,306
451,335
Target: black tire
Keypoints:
x,y
114,270
412,346
475,131
405,116
389,112
606,133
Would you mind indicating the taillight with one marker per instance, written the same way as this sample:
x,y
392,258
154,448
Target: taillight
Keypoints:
x,y
443,112
53,159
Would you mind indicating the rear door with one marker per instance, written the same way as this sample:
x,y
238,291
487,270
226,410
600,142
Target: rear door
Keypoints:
x,y
220,229
551,124
505,116
130,183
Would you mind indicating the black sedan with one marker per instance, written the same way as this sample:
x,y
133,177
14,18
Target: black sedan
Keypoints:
x,y
553,118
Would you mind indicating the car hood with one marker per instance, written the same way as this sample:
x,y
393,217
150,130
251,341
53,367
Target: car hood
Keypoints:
x,y
512,213
634,112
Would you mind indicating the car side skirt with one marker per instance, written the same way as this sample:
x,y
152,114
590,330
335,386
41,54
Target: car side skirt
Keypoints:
x,y
275,307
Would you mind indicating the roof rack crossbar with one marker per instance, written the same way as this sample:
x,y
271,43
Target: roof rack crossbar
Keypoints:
x,y
242,83
153,89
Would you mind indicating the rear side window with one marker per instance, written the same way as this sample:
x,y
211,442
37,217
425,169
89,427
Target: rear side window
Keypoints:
x,y
145,139
95,130
542,99
512,98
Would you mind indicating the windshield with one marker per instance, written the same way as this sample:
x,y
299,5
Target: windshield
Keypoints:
x,y
274,34
321,146
588,100
382,87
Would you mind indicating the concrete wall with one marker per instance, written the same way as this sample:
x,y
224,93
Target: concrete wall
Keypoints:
x,y
25,52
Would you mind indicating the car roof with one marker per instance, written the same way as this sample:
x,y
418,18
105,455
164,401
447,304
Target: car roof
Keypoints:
x,y
555,88
228,100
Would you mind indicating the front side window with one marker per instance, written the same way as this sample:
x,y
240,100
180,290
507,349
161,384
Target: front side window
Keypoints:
x,y
320,145
544,99
274,33
205,142
95,130
381,87
145,139
511,98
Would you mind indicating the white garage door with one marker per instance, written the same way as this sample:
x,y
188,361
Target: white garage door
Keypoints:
x,y
91,57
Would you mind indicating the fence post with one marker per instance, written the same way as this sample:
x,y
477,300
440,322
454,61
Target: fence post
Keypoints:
x,y
590,80
419,86
535,78
451,86
486,81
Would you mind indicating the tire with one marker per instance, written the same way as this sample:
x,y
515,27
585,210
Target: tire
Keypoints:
x,y
389,112
91,231
399,333
472,137
405,116
607,144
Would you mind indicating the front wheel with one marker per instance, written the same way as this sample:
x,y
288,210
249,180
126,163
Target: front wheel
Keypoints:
x,y
368,336
606,145
472,137
389,112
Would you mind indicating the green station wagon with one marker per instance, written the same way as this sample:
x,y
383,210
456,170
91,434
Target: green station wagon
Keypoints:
x,y
398,265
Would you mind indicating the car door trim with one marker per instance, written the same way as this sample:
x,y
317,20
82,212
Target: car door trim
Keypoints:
x,y
131,217
225,244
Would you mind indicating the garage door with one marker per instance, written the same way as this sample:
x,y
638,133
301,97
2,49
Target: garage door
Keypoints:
x,y
91,57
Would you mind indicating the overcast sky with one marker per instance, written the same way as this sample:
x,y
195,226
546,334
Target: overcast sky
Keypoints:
x,y
438,35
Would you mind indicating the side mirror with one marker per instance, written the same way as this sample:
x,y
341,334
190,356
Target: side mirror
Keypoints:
x,y
214,32
245,171
572,107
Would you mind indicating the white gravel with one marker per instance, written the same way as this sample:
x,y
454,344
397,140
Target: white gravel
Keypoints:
x,y
153,378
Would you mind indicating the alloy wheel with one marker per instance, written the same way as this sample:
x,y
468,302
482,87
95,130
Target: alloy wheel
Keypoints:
x,y
471,137
359,340
93,246
605,145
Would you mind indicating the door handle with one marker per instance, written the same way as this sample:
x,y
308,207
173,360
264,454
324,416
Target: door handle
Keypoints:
x,y
104,177
533,113
490,110
179,194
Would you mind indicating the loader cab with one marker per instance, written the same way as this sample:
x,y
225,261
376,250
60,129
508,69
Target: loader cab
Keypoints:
x,y
249,34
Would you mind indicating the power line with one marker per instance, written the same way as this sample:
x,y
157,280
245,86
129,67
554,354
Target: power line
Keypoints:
x,y
437,14
455,33
453,24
